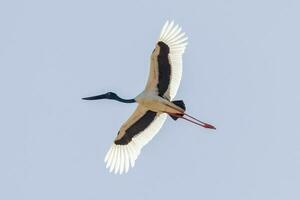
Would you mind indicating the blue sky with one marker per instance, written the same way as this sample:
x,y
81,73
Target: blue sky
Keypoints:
x,y
240,73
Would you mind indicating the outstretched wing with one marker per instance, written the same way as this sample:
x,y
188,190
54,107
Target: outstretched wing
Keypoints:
x,y
166,61
136,132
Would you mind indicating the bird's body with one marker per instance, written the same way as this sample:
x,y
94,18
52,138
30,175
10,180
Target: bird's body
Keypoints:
x,y
155,103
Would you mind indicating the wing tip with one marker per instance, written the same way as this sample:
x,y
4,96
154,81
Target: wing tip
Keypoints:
x,y
172,35
120,158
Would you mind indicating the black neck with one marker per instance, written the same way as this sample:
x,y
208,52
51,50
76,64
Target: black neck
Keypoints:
x,y
125,100
110,96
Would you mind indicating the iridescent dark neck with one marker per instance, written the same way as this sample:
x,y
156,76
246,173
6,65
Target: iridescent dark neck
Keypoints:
x,y
124,100
110,95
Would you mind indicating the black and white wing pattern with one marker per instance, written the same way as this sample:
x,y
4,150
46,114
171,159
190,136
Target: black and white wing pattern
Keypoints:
x,y
136,132
166,61
164,80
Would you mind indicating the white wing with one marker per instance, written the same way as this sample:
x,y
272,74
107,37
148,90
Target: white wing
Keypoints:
x,y
166,61
135,133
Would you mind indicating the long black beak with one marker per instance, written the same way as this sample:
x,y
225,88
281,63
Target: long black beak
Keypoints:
x,y
102,96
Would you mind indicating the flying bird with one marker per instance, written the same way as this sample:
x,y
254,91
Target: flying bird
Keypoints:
x,y
155,103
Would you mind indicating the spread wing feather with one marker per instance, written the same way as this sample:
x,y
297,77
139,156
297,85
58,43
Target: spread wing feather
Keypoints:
x,y
130,141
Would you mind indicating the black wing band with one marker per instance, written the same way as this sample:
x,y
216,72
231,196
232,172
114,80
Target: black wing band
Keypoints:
x,y
164,69
139,126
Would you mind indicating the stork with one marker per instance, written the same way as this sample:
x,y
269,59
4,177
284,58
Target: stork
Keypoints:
x,y
155,103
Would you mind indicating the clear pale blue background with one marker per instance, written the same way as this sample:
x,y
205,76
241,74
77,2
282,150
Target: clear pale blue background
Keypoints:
x,y
241,73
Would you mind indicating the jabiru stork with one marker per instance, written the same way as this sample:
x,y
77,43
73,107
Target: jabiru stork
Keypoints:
x,y
154,103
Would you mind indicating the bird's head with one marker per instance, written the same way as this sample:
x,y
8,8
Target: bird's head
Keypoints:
x,y
108,95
